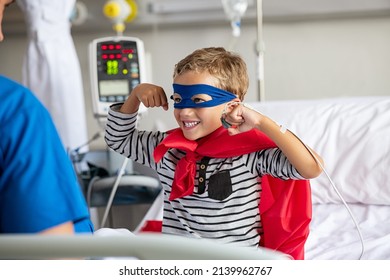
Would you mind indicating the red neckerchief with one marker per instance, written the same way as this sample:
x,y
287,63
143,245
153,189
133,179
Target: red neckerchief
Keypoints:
x,y
218,144
285,207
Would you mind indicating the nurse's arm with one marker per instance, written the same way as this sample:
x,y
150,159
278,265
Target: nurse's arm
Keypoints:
x,y
65,228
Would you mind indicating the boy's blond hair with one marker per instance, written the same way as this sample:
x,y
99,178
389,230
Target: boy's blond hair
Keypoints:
x,y
229,68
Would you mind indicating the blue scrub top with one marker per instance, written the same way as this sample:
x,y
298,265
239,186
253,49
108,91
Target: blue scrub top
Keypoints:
x,y
38,185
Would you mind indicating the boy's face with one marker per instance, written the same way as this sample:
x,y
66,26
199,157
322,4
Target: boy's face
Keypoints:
x,y
3,4
197,122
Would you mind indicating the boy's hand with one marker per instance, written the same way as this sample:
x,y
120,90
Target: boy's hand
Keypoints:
x,y
241,118
148,94
151,96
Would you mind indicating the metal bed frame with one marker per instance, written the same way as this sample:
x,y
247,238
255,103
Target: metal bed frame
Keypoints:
x,y
143,246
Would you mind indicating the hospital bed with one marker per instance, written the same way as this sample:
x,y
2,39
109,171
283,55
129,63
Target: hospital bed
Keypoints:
x,y
353,137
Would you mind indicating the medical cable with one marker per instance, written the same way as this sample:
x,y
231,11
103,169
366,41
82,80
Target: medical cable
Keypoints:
x,y
339,195
76,158
113,191
283,130
74,153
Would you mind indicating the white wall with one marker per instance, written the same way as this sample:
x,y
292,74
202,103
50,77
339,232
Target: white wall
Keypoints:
x,y
303,60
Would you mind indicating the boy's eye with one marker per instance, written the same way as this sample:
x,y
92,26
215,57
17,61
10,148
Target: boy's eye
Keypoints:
x,y
176,98
198,100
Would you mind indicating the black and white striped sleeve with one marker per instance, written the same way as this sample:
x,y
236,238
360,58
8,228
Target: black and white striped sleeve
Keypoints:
x,y
274,163
122,135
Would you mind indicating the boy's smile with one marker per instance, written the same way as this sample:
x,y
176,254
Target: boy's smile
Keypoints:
x,y
190,124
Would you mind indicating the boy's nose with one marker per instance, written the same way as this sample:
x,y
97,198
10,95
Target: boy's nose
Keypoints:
x,y
186,111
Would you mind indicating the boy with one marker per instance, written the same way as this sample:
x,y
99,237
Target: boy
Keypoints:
x,y
211,174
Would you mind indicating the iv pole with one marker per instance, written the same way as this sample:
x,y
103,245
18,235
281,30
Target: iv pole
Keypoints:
x,y
260,48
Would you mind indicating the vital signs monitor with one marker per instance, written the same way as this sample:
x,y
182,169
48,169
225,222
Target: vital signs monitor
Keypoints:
x,y
117,65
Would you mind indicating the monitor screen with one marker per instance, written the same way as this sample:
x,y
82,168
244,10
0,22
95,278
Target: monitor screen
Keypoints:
x,y
113,87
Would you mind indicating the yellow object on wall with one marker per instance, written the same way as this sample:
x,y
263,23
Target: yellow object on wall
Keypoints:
x,y
119,12
133,10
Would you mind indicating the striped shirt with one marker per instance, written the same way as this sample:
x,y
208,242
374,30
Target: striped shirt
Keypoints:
x,y
225,203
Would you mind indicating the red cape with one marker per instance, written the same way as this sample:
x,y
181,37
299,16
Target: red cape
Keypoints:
x,y
285,211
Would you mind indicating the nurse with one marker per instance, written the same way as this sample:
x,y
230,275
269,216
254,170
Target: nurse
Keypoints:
x,y
39,190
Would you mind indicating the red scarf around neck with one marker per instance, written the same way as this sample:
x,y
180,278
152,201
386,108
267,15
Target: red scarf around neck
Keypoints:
x,y
218,144
285,207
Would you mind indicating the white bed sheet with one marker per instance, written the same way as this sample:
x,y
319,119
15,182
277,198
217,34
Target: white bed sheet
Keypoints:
x,y
333,235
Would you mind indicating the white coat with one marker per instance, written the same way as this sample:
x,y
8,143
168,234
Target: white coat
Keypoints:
x,y
51,67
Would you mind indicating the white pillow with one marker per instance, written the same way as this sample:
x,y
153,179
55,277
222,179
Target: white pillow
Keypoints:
x,y
353,137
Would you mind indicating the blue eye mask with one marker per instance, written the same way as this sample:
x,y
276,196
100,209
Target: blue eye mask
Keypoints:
x,y
219,96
